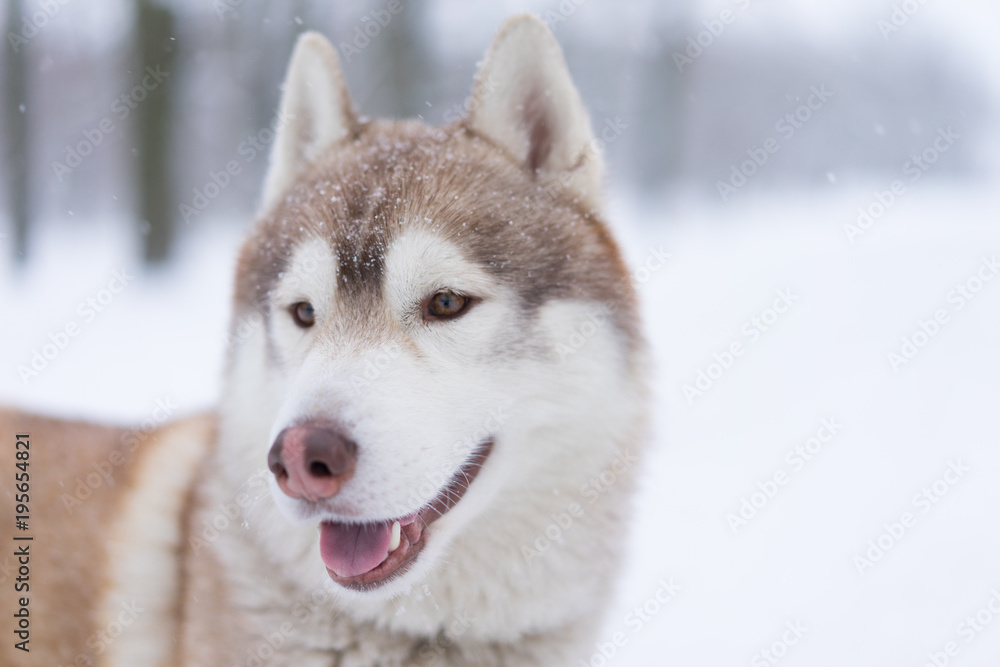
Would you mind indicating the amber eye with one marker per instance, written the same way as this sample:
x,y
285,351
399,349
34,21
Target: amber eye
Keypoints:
x,y
303,314
444,305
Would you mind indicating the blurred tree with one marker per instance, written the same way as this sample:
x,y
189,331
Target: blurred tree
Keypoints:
x,y
397,61
261,44
661,105
250,52
666,82
406,54
157,54
16,121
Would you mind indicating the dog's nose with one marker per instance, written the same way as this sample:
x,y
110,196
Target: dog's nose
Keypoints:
x,y
312,460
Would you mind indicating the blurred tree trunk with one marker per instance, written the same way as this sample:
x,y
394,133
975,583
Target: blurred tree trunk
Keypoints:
x,y
662,158
405,55
157,54
16,121
261,43
396,63
661,149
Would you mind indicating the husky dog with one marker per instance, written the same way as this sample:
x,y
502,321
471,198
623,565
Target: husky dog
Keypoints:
x,y
433,410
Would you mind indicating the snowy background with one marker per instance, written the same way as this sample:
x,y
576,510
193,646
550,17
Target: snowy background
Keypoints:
x,y
883,548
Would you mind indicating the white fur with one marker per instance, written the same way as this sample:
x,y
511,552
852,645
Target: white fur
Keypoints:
x,y
409,437
523,66
315,114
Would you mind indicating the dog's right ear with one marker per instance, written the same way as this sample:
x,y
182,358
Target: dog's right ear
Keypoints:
x,y
316,113
525,102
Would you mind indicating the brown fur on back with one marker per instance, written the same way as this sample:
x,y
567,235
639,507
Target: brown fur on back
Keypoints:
x,y
67,563
73,510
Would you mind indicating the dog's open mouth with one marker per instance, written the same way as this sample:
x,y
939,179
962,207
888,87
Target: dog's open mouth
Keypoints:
x,y
367,555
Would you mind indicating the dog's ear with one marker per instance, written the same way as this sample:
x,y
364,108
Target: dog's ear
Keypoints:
x,y
524,101
316,113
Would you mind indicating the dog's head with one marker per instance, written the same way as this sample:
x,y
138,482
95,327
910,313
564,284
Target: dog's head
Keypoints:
x,y
427,319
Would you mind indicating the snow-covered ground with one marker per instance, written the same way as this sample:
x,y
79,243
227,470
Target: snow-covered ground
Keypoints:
x,y
811,496
802,555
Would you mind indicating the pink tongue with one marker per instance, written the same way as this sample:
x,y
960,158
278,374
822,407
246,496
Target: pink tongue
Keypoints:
x,y
350,550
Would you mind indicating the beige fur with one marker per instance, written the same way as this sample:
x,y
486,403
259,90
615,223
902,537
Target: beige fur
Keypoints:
x,y
144,543
76,546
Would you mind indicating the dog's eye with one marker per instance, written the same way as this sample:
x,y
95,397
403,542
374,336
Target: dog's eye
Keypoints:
x,y
446,305
303,314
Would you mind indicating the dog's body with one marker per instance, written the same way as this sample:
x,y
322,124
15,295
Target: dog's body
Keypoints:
x,y
436,352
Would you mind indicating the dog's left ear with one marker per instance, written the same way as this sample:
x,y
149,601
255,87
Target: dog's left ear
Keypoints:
x,y
524,100
316,113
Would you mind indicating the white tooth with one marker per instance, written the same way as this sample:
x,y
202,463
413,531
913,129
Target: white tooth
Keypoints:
x,y
394,542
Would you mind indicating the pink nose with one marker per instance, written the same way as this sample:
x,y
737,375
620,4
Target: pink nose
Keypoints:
x,y
312,460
